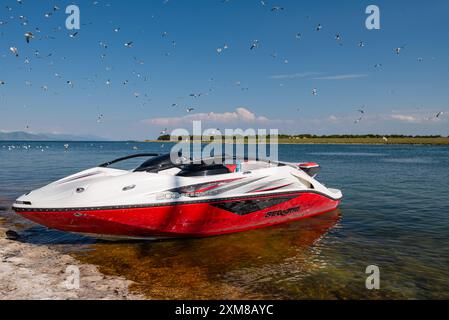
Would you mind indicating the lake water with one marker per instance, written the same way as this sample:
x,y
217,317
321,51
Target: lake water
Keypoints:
x,y
395,215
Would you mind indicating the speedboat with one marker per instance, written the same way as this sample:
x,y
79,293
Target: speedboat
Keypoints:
x,y
166,198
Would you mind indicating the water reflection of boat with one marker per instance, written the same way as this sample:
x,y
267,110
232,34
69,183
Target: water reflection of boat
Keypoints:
x,y
217,267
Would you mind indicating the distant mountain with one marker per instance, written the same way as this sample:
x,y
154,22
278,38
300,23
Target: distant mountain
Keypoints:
x,y
25,136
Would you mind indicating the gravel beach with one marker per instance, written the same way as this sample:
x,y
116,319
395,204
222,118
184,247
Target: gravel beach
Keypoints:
x,y
36,272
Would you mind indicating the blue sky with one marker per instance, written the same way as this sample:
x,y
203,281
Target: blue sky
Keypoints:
x,y
240,87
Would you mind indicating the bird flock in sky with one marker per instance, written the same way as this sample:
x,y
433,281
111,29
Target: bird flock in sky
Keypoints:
x,y
36,34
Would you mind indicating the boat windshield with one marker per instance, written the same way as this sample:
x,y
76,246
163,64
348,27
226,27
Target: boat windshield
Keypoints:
x,y
157,164
164,162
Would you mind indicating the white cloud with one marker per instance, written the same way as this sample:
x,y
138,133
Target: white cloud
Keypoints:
x,y
405,118
342,77
316,76
239,115
420,116
371,122
294,75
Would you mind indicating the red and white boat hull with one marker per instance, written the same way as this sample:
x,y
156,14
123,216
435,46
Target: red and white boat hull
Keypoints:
x,y
197,219
162,200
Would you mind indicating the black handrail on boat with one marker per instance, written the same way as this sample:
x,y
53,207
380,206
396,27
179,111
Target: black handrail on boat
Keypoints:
x,y
139,155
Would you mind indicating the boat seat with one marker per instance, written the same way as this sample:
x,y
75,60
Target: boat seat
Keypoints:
x,y
203,170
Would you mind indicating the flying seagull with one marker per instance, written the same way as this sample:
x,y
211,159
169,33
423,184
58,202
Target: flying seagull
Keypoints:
x,y
277,8
14,51
221,49
28,36
254,44
398,50
358,120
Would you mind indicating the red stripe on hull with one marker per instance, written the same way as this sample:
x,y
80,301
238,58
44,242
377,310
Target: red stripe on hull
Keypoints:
x,y
183,220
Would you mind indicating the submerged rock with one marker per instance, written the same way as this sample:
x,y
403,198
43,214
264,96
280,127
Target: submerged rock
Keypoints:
x,y
12,235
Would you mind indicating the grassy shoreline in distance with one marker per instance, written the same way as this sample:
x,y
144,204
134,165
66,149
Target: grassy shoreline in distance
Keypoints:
x,y
356,140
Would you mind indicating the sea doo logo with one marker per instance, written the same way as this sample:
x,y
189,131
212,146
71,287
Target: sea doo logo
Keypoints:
x,y
282,213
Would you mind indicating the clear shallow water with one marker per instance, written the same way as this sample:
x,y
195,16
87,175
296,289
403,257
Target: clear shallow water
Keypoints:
x,y
395,215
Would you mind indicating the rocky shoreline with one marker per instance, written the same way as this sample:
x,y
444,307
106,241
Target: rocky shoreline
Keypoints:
x,y
36,272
